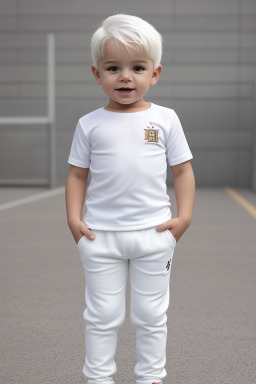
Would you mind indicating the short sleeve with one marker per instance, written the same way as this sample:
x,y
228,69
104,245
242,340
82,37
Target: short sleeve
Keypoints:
x,y
177,149
80,149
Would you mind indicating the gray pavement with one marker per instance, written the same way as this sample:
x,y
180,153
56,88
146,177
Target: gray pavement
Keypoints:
x,y
211,317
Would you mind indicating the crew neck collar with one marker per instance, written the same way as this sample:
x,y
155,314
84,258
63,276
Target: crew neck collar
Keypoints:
x,y
123,114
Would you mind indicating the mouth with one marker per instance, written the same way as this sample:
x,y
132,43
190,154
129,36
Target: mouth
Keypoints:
x,y
125,90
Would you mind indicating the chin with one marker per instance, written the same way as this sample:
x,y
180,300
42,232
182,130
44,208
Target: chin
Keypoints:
x,y
125,102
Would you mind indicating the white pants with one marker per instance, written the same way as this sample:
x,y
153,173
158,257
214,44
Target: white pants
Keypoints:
x,y
148,254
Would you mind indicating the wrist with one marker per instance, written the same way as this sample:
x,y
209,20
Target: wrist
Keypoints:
x,y
73,221
186,220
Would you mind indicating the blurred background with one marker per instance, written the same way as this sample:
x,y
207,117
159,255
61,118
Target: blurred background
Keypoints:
x,y
46,85
209,73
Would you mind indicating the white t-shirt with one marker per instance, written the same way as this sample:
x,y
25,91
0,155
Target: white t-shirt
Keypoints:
x,y
126,154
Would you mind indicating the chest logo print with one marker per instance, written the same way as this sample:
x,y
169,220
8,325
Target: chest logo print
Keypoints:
x,y
151,135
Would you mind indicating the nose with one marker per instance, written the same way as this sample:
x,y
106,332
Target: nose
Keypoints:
x,y
125,75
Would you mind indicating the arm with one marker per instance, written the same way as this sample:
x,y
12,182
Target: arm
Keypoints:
x,y
75,194
184,184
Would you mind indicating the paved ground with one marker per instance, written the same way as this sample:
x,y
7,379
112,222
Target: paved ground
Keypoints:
x,y
211,318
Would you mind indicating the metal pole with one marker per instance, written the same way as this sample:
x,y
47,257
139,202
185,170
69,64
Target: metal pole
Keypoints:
x,y
254,144
51,109
23,120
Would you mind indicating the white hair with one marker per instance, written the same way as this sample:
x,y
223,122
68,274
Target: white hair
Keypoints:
x,y
127,29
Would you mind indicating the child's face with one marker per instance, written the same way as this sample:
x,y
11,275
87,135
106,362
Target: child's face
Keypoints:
x,y
125,75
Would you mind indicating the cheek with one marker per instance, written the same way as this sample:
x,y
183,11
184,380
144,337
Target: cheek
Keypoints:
x,y
144,84
107,82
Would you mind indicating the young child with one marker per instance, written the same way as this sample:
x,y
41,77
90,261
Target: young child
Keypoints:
x,y
128,223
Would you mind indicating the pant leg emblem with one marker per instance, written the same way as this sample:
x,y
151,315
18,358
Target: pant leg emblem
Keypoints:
x,y
167,267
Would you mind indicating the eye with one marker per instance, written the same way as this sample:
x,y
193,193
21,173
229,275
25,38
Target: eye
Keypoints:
x,y
113,69
138,68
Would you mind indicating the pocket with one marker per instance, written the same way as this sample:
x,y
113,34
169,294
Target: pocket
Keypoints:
x,y
171,236
80,240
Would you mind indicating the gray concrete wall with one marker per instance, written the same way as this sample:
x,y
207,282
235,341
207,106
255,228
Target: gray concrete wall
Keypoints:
x,y
208,77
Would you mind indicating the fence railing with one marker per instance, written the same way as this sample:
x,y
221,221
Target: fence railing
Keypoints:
x,y
49,120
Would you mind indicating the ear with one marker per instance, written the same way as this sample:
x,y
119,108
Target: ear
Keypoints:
x,y
96,74
156,75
